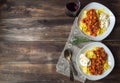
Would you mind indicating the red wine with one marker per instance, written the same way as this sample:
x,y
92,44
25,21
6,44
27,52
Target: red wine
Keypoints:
x,y
72,6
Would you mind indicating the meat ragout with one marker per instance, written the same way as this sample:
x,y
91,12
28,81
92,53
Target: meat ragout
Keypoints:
x,y
92,22
97,64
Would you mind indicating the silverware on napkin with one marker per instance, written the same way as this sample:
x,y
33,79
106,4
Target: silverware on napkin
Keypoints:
x,y
68,57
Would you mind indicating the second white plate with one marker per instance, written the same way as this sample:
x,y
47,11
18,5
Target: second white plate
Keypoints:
x,y
95,5
111,61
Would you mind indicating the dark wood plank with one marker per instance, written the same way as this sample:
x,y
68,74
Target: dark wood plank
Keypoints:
x,y
35,29
30,52
33,8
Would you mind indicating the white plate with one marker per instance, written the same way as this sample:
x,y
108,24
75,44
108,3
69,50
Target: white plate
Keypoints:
x,y
95,5
111,61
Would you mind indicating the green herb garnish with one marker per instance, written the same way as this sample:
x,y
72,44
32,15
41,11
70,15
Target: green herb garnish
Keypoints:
x,y
77,40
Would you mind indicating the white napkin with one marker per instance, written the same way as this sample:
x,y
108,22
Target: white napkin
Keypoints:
x,y
63,66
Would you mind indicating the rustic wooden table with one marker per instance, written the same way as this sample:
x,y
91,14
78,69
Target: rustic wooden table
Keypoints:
x,y
33,34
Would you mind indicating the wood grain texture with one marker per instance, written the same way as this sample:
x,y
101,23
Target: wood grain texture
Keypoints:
x,y
33,8
35,29
33,34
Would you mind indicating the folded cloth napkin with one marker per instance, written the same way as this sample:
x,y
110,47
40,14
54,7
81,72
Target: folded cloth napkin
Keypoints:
x,y
63,65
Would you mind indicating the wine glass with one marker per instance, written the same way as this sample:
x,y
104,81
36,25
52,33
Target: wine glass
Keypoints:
x,y
72,7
